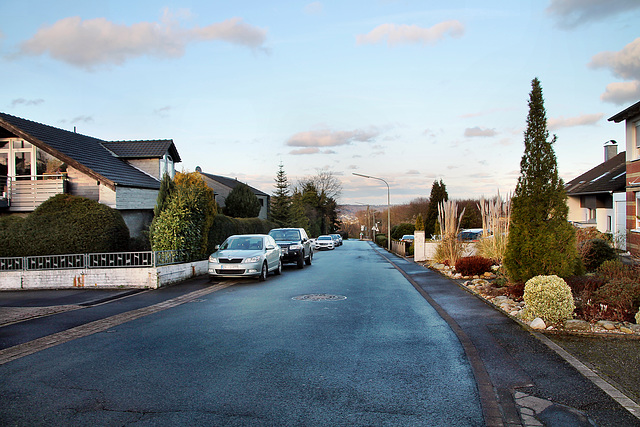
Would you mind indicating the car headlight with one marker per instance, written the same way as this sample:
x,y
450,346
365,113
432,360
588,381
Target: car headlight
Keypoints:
x,y
252,259
212,259
295,247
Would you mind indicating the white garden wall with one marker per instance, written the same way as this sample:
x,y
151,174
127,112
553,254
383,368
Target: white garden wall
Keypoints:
x,y
102,278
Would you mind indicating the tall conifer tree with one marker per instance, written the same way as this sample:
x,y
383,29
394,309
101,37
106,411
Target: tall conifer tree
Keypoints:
x,y
541,240
438,194
281,209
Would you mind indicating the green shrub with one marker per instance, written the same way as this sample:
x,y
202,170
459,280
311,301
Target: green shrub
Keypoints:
x,y
638,317
397,231
381,240
66,224
11,239
615,269
473,265
594,252
548,297
224,226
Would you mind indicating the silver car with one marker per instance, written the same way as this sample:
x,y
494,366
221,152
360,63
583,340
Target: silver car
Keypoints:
x,y
248,255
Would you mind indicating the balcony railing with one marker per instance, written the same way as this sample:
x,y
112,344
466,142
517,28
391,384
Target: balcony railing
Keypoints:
x,y
25,193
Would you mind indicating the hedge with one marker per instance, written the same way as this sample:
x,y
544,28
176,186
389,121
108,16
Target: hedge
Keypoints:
x,y
224,226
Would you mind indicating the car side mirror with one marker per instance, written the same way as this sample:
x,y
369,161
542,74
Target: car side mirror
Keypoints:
x,y
216,247
270,247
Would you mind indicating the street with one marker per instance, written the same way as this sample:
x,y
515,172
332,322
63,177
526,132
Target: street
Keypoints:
x,y
289,351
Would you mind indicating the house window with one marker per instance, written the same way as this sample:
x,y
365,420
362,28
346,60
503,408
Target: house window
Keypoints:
x,y
609,223
637,129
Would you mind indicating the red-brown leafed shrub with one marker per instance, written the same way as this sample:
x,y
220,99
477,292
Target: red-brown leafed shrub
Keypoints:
x,y
473,265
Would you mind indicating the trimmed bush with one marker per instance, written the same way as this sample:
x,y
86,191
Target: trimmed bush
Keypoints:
x,y
548,297
473,265
381,240
67,224
638,317
11,238
224,226
594,252
621,298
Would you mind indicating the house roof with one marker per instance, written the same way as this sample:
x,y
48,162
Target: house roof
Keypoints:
x,y
82,152
607,177
148,149
634,110
231,182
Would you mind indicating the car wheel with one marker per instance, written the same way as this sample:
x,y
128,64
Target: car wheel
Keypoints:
x,y
300,263
308,260
263,272
279,269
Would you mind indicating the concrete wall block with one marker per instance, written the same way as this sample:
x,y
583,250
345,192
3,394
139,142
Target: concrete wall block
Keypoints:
x,y
102,278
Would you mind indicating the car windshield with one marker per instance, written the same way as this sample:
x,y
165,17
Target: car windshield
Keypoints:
x,y
285,235
242,243
325,238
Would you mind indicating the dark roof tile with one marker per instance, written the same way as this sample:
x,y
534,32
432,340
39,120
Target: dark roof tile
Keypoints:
x,y
87,152
609,176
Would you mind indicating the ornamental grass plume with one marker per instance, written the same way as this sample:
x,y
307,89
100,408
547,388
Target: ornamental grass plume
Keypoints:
x,y
450,248
496,216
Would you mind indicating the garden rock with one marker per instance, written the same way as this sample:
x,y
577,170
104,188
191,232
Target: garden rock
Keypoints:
x,y
625,330
635,328
577,325
609,326
538,323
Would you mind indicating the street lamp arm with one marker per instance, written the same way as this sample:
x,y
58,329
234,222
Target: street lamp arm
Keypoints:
x,y
388,206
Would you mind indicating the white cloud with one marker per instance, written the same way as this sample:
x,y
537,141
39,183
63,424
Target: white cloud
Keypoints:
x,y
309,150
162,112
94,42
412,172
314,8
571,13
625,63
329,138
478,131
582,120
411,34
622,92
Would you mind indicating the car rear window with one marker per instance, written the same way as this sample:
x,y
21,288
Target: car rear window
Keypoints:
x,y
284,235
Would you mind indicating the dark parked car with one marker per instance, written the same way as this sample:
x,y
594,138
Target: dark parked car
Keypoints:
x,y
295,244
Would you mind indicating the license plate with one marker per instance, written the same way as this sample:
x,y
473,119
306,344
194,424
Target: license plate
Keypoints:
x,y
228,267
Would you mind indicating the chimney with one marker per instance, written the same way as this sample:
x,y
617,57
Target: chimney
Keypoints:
x,y
610,149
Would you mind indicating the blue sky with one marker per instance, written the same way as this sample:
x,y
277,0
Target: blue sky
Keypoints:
x,y
409,91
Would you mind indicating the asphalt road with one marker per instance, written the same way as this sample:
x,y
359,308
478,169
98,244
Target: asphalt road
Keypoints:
x,y
251,354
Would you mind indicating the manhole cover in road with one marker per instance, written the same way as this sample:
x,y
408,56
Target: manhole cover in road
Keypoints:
x,y
319,297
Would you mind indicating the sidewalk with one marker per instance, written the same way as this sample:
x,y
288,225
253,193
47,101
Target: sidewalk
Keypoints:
x,y
530,380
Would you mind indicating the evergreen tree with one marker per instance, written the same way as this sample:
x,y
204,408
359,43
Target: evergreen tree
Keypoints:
x,y
438,195
419,223
242,203
281,208
187,216
541,240
166,187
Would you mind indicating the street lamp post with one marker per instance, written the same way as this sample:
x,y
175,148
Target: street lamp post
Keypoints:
x,y
388,207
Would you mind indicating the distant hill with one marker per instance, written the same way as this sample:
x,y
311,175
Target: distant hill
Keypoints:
x,y
347,210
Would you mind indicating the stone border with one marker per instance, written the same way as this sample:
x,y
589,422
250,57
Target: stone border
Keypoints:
x,y
600,382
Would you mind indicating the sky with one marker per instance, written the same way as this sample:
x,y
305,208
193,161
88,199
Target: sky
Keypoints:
x,y
407,91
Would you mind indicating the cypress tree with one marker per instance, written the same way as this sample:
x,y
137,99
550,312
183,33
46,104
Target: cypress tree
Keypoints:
x,y
419,223
281,209
541,240
438,195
